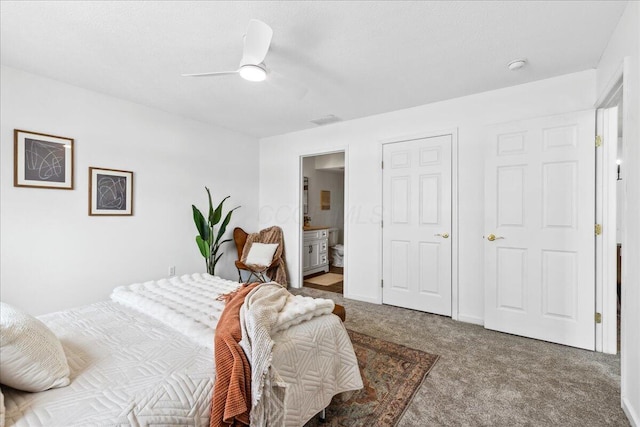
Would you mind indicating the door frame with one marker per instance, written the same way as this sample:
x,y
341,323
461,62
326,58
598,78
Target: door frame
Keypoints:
x,y
606,250
301,157
454,206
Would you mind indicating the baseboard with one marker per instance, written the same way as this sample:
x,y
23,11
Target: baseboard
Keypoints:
x,y
362,298
634,420
471,319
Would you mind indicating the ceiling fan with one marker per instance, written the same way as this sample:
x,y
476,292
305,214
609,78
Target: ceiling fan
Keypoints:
x,y
252,67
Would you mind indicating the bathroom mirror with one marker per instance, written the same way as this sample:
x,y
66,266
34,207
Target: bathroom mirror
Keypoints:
x,y
305,195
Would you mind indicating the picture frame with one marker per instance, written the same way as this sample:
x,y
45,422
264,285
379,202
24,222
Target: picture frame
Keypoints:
x,y
325,200
41,160
110,192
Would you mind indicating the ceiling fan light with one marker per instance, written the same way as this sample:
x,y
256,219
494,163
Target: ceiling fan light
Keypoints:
x,y
253,73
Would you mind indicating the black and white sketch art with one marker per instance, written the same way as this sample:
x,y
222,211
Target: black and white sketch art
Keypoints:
x,y
43,161
111,192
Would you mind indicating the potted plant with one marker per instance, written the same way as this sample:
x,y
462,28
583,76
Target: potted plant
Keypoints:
x,y
208,240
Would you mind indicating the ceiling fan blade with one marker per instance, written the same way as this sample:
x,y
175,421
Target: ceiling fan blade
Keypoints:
x,y
286,84
256,43
215,73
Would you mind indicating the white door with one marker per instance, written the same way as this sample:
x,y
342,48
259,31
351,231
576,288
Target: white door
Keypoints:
x,y
417,224
539,229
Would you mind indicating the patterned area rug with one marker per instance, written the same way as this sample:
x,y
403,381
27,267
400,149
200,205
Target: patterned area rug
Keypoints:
x,y
391,374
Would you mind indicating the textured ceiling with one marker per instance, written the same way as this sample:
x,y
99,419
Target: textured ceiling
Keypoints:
x,y
356,58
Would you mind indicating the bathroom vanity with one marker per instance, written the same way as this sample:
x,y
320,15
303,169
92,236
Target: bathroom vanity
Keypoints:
x,y
315,249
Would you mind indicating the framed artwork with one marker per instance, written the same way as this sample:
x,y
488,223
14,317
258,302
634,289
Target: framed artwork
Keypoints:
x,y
42,161
325,200
110,192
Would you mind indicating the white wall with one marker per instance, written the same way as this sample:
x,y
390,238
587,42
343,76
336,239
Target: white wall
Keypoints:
x,y
625,43
279,180
53,255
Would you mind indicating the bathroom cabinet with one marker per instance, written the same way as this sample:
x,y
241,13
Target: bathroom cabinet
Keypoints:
x,y
315,253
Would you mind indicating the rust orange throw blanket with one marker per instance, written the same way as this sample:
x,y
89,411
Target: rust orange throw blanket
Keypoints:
x,y
231,401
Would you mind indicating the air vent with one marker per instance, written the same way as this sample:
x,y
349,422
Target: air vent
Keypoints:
x,y
325,120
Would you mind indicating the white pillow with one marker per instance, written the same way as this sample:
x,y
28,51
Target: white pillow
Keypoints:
x,y
261,253
31,356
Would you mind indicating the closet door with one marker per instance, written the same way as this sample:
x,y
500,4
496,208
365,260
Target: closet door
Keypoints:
x,y
416,229
539,229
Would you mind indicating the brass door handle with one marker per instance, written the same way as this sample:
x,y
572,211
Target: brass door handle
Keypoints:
x,y
492,237
443,235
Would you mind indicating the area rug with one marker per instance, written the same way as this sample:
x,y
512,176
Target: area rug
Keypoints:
x,y
326,279
391,374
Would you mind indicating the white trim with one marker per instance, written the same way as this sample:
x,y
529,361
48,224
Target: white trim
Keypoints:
x,y
347,229
611,89
471,319
606,245
599,197
363,298
627,407
454,208
609,243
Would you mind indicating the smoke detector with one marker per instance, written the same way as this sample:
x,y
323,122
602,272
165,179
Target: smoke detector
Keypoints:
x,y
517,64
325,120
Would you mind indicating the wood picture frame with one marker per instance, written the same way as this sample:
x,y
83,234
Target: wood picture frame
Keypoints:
x,y
325,200
41,160
110,192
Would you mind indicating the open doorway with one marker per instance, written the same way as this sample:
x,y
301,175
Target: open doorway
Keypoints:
x,y
323,207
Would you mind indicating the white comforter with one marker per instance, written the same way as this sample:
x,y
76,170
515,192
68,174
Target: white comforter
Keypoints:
x,y
312,353
138,365
126,370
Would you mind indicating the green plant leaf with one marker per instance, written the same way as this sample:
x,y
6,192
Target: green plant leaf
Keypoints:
x,y
223,226
217,214
203,246
201,224
210,216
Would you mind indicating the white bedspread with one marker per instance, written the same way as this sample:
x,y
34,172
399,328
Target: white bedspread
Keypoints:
x,y
126,370
151,362
312,353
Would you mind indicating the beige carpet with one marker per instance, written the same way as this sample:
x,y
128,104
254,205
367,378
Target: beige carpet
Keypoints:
x,y
487,378
326,279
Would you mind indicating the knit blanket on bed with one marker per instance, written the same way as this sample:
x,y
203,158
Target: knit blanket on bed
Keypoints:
x,y
231,400
247,389
258,317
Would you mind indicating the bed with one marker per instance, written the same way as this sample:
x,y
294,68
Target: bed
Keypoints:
x,y
145,358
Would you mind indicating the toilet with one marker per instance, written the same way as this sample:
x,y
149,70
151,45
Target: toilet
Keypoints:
x,y
337,250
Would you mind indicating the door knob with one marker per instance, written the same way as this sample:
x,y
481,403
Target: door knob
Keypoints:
x,y
443,235
492,237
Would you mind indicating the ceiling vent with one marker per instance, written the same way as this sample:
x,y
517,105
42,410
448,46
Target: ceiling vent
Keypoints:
x,y
325,120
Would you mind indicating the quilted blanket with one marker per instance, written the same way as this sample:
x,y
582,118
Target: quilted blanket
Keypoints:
x,y
134,362
126,370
